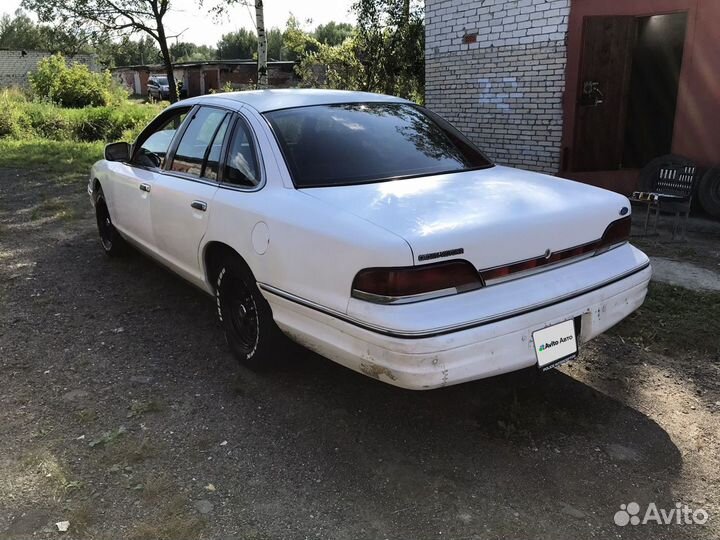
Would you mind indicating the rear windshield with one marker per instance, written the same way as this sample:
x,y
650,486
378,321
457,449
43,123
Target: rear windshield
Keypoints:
x,y
356,143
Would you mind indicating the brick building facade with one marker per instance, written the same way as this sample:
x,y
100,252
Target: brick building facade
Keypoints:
x,y
496,69
593,90
16,64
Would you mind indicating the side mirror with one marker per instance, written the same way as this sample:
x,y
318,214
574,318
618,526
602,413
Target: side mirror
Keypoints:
x,y
118,151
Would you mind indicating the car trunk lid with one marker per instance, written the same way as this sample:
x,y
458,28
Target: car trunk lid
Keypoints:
x,y
490,217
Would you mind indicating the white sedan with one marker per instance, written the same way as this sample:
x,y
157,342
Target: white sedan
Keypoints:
x,y
371,231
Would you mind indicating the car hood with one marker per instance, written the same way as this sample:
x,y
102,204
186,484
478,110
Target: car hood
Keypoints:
x,y
496,216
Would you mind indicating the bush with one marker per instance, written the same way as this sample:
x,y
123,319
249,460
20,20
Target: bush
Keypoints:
x,y
20,118
46,120
71,86
113,123
11,102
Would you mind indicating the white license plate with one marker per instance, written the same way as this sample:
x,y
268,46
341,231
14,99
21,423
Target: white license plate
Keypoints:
x,y
555,344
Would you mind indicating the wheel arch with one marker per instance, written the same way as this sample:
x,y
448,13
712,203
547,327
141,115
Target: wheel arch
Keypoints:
x,y
214,252
95,185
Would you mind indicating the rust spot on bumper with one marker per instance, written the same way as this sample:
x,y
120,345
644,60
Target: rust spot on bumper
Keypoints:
x,y
375,371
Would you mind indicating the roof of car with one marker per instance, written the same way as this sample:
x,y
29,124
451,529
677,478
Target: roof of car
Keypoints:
x,y
270,100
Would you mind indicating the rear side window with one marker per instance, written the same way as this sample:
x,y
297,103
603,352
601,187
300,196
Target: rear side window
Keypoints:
x,y
197,141
356,143
241,168
213,158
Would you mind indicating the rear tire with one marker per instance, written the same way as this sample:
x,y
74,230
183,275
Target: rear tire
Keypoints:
x,y
110,239
709,192
246,317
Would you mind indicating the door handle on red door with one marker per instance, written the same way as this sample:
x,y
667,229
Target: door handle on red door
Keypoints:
x,y
199,205
145,188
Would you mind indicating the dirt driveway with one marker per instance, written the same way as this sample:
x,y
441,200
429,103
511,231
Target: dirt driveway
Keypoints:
x,y
122,412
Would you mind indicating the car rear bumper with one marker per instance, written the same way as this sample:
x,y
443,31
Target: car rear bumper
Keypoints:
x,y
485,350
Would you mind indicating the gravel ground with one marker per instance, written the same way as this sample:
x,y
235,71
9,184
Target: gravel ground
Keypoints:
x,y
122,412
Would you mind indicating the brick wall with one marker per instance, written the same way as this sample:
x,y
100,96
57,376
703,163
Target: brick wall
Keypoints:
x,y
14,66
496,70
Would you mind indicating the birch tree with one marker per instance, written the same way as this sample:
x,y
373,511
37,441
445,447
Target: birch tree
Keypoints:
x,y
220,9
262,81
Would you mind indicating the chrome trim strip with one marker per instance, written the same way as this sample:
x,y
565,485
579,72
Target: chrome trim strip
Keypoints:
x,y
447,329
544,256
408,299
546,267
537,270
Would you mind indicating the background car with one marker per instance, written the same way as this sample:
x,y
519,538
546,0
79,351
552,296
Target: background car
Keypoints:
x,y
370,230
158,88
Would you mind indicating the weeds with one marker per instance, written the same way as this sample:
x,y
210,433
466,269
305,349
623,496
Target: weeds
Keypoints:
x,y
675,319
171,520
47,466
140,408
21,118
108,437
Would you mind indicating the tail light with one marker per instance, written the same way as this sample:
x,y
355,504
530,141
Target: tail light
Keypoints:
x,y
415,283
618,232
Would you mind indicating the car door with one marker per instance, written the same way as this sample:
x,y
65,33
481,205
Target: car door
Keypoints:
x,y
151,87
182,195
133,182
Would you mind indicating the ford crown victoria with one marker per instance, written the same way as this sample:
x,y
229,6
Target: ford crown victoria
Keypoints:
x,y
371,231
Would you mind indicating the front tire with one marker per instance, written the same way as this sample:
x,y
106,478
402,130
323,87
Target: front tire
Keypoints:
x,y
110,239
246,317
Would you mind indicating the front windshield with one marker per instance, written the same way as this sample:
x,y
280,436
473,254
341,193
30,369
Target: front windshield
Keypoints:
x,y
356,143
162,80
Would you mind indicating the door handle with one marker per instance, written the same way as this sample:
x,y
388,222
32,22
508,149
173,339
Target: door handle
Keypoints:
x,y
145,188
199,205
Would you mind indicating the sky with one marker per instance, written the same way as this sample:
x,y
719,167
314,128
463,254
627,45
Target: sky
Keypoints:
x,y
199,27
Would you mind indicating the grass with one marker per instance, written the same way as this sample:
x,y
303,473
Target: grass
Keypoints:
x,y
46,466
86,416
54,208
675,319
108,437
81,518
140,408
64,142
63,159
170,519
169,527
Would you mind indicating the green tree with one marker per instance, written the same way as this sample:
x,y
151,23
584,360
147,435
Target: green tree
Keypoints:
x,y
123,17
391,45
298,43
190,52
239,44
128,52
21,32
335,67
275,44
333,33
